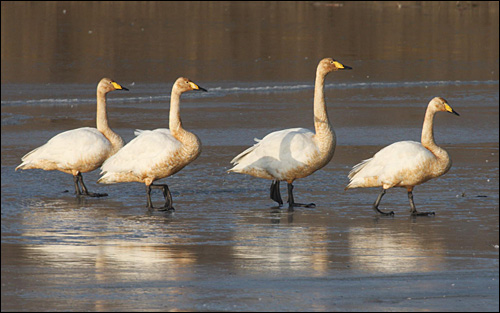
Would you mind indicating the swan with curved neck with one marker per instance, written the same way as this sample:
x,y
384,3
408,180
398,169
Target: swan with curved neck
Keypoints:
x,y
405,163
79,150
156,154
294,153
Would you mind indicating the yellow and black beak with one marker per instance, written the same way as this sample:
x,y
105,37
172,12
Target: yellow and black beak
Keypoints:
x,y
450,109
196,87
118,86
341,66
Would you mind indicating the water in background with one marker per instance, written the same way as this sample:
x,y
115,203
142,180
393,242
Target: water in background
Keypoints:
x,y
78,42
227,247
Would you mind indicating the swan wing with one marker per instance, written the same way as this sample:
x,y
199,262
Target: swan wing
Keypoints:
x,y
277,153
137,132
82,149
402,163
144,152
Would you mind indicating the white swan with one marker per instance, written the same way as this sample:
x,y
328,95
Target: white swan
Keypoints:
x,y
294,153
79,150
405,163
156,154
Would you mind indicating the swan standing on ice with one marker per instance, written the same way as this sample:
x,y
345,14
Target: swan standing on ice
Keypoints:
x,y
79,150
294,153
405,163
156,154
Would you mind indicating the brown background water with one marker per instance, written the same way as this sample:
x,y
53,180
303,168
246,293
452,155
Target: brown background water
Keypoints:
x,y
75,42
226,247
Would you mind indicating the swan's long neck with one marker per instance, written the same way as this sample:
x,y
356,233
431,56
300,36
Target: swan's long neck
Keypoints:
x,y
325,135
102,123
428,131
175,123
428,142
190,142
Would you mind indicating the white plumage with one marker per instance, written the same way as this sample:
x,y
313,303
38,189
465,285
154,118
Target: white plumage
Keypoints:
x,y
391,167
278,154
149,155
405,163
82,149
79,150
290,154
156,154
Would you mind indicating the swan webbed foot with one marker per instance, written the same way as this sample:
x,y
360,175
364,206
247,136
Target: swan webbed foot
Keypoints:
x,y
304,205
413,209
292,203
377,202
94,194
166,208
376,209
416,213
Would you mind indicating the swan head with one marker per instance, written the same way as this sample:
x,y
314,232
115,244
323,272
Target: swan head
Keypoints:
x,y
328,65
106,85
441,105
183,84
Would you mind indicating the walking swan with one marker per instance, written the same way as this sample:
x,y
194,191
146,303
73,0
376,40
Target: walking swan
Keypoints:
x,y
405,163
156,154
290,154
79,150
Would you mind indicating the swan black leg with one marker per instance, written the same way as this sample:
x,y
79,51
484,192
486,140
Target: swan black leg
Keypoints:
x,y
413,210
77,187
79,179
168,206
292,203
148,195
377,202
166,194
275,192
